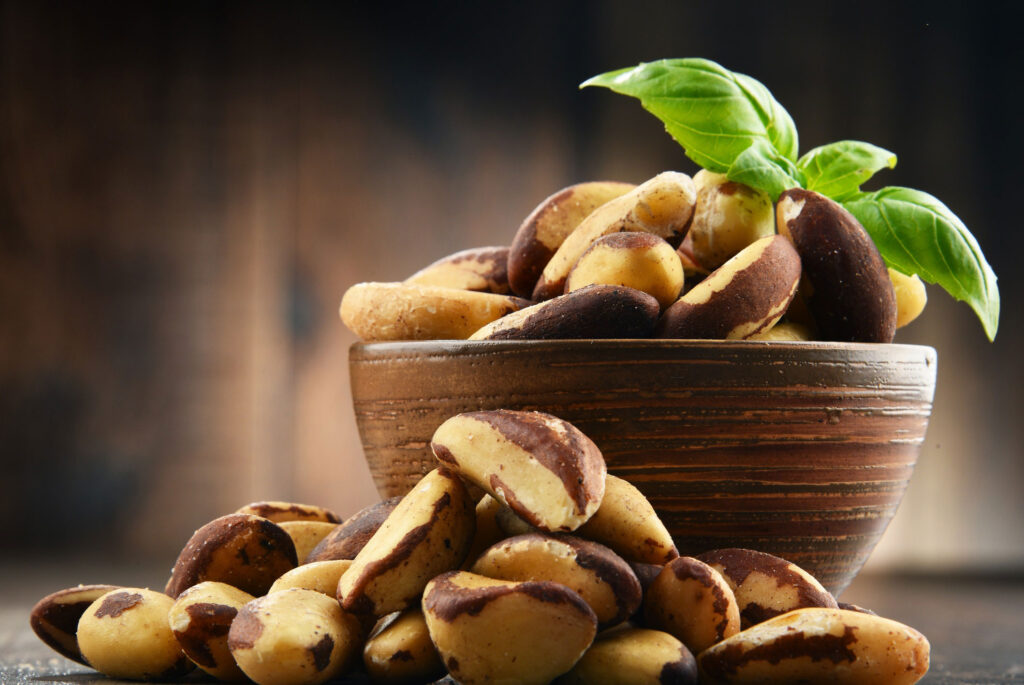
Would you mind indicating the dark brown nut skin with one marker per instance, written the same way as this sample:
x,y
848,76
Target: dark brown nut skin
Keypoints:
x,y
345,541
482,269
246,551
279,512
746,295
598,574
691,601
766,585
596,311
200,620
850,294
547,226
54,618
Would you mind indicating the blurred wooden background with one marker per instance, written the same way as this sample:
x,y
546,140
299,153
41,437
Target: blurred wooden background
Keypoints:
x,y
186,190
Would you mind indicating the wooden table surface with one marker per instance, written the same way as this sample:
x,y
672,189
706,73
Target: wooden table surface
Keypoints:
x,y
975,624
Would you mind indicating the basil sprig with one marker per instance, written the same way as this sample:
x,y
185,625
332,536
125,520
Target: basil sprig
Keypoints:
x,y
730,123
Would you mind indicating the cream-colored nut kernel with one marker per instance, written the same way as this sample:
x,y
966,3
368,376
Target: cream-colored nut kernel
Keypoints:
x,y
54,618
627,523
600,576
399,311
543,468
662,205
766,585
483,269
911,296
278,512
547,226
728,217
594,311
399,651
641,261
851,295
429,532
200,619
491,631
306,535
345,541
743,297
321,576
294,637
784,331
125,634
818,645
243,550
690,600
488,530
634,656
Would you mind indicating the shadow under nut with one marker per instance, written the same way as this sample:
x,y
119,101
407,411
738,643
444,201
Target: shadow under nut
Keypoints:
x,y
851,295
745,296
596,311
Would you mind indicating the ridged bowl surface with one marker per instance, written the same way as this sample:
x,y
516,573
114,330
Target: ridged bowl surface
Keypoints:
x,y
802,450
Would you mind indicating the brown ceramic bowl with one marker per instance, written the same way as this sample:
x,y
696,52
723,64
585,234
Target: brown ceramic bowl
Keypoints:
x,y
798,449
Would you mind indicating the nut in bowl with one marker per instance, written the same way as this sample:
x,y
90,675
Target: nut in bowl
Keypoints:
x,y
800,449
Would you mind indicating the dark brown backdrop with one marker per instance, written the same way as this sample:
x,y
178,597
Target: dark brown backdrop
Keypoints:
x,y
186,190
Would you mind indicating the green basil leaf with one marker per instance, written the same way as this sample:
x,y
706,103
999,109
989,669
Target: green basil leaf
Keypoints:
x,y
917,234
715,114
838,170
761,166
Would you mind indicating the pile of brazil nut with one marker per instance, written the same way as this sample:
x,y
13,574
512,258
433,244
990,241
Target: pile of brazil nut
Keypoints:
x,y
674,257
559,573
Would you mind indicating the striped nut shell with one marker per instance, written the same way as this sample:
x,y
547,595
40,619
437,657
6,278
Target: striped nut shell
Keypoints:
x,y
54,618
728,217
690,600
634,656
429,532
627,523
345,541
322,576
399,651
641,261
662,205
543,468
306,535
243,550
595,311
398,311
746,295
547,226
847,286
491,631
483,269
766,585
125,634
818,645
278,512
599,575
294,636
200,619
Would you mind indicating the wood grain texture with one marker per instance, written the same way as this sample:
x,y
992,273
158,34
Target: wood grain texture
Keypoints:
x,y
802,450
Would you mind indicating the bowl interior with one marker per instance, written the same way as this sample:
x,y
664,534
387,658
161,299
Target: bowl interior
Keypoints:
x,y
802,450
